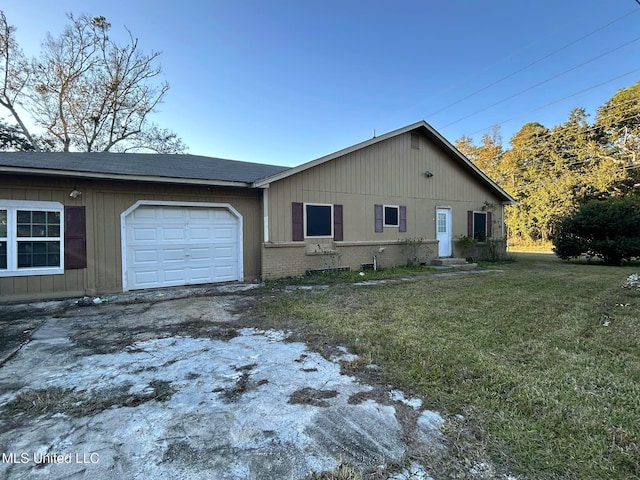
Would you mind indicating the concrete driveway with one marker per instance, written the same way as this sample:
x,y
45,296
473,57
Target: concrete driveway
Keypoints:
x,y
149,386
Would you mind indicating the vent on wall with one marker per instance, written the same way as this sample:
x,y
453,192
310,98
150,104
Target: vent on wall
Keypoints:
x,y
415,141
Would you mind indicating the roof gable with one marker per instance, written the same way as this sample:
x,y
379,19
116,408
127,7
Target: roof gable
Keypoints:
x,y
421,127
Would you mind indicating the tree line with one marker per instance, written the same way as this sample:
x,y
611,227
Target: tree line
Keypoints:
x,y
83,92
550,171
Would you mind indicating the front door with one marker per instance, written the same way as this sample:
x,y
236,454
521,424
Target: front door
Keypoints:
x,y
443,231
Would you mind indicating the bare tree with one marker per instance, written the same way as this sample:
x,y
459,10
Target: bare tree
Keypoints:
x,y
91,94
14,77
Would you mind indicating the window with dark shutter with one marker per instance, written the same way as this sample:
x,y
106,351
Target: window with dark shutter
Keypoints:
x,y
489,224
337,223
403,219
297,221
75,238
378,218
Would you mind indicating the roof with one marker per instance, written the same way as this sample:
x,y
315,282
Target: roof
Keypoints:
x,y
168,168
421,127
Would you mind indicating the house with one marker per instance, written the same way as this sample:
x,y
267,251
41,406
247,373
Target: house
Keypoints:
x,y
86,223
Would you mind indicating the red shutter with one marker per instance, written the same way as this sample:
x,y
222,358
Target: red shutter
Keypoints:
x,y
403,219
297,222
489,224
470,223
75,238
378,218
337,223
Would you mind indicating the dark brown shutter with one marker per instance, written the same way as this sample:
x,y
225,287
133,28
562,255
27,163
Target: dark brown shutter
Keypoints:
x,y
297,222
75,238
403,219
470,223
378,218
337,223
489,224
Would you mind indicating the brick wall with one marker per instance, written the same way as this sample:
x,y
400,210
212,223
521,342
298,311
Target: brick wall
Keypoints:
x,y
294,259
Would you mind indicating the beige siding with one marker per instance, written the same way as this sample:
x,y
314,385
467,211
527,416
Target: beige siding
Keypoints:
x,y
390,173
104,202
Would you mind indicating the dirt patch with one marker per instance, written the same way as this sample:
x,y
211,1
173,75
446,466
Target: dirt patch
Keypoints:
x,y
311,396
75,403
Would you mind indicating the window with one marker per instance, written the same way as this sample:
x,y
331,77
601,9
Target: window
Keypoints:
x,y
318,220
31,238
442,222
391,216
479,225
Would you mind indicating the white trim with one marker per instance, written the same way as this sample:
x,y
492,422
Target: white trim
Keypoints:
x,y
304,216
155,203
384,216
12,239
265,213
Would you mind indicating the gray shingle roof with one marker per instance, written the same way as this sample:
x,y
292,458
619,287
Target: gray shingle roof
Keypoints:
x,y
180,167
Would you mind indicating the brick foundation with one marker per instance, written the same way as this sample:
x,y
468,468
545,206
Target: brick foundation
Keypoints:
x,y
295,258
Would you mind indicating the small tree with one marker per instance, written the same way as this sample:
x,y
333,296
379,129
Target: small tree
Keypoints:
x,y
608,229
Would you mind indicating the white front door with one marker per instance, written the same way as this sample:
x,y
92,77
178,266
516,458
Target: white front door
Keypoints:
x,y
443,231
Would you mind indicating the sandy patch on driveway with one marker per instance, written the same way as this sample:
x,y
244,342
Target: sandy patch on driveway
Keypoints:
x,y
176,389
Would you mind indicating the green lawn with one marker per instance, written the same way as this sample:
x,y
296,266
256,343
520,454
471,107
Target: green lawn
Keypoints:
x,y
543,356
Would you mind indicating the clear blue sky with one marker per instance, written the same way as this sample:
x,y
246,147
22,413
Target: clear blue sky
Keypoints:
x,y
287,81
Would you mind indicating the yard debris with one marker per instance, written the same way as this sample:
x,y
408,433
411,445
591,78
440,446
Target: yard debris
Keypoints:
x,y
89,301
633,281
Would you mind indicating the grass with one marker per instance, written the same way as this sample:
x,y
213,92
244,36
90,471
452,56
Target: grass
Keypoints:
x,y
543,357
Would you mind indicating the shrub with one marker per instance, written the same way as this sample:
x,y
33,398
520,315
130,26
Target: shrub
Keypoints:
x,y
608,229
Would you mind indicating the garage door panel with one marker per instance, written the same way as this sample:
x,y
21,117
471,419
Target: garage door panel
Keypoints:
x,y
144,234
224,253
145,256
172,234
202,253
173,254
175,275
146,278
168,246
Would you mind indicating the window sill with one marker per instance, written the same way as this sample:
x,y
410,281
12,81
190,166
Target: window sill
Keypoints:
x,y
31,272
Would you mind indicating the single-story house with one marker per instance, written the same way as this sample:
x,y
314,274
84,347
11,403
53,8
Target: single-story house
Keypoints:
x,y
76,224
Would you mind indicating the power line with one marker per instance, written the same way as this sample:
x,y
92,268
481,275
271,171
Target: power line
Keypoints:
x,y
534,62
542,83
558,101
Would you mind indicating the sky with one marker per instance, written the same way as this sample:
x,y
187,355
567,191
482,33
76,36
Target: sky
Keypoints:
x,y
286,81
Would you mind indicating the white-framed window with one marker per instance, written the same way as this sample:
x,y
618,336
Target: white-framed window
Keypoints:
x,y
318,220
391,215
31,238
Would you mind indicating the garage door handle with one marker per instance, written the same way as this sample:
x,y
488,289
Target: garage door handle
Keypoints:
x,y
187,254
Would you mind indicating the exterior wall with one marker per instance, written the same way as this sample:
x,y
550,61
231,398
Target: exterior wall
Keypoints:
x,y
292,259
388,173
104,202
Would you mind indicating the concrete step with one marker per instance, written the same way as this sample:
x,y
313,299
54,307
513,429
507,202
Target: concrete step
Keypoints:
x,y
448,261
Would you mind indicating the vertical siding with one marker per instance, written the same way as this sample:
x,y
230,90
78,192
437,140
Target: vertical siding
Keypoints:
x,y
104,202
389,172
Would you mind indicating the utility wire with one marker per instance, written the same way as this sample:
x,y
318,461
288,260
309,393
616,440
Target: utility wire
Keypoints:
x,y
533,63
557,101
542,83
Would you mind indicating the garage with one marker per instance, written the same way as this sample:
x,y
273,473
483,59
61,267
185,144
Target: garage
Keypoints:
x,y
175,243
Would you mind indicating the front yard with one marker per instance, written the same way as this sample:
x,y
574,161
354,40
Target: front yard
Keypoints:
x,y
538,363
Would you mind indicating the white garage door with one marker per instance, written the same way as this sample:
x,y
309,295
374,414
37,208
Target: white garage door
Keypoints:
x,y
180,245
